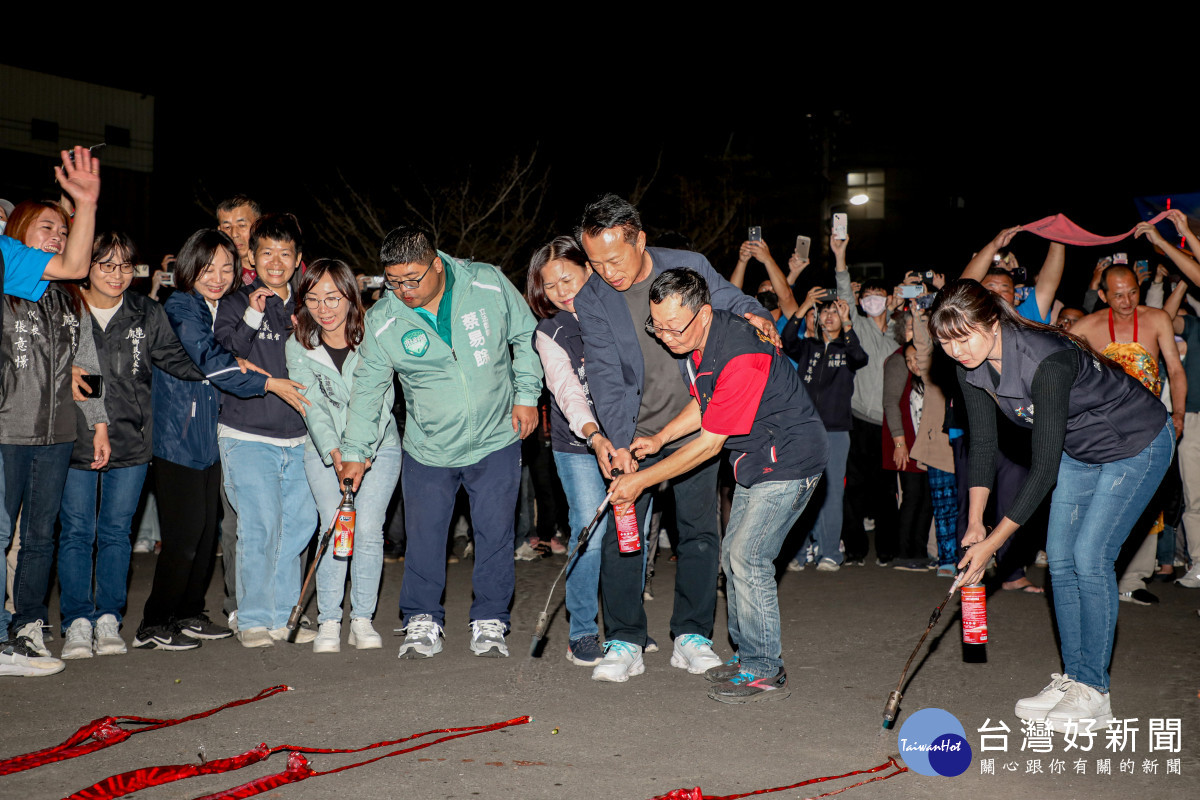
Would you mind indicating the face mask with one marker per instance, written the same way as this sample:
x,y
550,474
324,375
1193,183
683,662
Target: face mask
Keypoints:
x,y
874,305
768,300
3,225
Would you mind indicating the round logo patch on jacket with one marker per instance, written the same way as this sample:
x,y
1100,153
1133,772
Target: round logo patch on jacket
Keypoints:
x,y
415,342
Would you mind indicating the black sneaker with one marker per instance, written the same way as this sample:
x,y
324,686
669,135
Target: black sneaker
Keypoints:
x,y
746,687
163,637
724,672
201,627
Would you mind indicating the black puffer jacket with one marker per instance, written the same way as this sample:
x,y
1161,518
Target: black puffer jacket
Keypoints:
x,y
137,336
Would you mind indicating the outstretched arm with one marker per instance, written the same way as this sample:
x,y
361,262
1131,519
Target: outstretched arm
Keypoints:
x,y
1049,278
982,261
81,180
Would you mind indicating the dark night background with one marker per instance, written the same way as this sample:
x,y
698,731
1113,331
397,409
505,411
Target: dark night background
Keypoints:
x,y
957,171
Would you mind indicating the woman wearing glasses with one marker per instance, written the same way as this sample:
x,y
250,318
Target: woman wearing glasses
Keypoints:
x,y
132,334
322,355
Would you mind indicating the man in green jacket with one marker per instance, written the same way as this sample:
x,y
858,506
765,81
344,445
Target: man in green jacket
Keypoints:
x,y
446,328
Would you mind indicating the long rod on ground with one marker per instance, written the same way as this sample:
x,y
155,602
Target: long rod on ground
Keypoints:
x,y
892,707
543,620
298,609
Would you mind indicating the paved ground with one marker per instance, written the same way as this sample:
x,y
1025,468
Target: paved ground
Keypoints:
x,y
846,636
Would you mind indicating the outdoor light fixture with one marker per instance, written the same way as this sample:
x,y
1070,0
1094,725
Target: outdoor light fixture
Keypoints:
x,y
859,199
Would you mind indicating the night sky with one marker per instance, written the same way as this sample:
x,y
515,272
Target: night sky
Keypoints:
x,y
958,171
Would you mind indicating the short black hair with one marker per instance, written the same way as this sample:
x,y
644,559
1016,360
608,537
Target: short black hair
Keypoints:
x,y
610,211
198,252
1002,272
107,242
237,201
280,227
407,244
873,285
686,284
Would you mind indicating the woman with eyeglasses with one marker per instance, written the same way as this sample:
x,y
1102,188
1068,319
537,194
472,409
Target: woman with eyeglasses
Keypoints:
x,y
41,343
132,335
322,355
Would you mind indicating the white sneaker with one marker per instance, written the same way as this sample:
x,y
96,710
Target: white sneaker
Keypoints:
x,y
1040,560
694,653
487,638
828,565
329,637
1088,708
423,637
143,546
257,636
795,566
17,658
108,636
1190,580
233,621
79,640
1035,708
363,635
621,661
302,635
33,632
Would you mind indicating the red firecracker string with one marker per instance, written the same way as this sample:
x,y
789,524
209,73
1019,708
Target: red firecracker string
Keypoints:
x,y
298,767
104,732
696,794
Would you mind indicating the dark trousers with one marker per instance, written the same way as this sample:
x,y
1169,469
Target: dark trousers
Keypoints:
x,y
698,554
916,513
870,492
492,484
189,508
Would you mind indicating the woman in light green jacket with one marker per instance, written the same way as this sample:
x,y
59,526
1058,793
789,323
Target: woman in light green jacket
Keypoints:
x,y
322,355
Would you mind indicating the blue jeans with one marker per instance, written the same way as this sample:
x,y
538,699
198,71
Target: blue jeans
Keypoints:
x,y
366,565
585,491
827,527
267,487
34,476
492,484
759,521
120,490
1092,511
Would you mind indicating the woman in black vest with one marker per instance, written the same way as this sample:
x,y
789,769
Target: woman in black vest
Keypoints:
x,y
1096,431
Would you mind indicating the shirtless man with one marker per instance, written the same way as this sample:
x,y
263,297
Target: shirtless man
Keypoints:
x,y
1135,336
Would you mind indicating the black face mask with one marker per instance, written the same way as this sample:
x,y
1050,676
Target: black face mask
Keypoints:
x,y
768,300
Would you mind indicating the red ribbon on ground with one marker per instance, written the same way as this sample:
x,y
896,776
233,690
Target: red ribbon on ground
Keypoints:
x,y
696,794
298,767
104,732
1059,228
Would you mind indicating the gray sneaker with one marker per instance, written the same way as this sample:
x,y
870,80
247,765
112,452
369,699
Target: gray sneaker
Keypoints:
x,y
423,637
724,672
487,638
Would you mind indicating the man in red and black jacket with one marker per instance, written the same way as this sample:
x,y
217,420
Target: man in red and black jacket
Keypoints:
x,y
747,399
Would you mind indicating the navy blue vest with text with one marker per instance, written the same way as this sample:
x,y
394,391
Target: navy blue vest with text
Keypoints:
x,y
1111,416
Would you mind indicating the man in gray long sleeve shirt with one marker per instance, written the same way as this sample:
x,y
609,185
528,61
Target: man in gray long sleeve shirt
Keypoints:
x,y
868,487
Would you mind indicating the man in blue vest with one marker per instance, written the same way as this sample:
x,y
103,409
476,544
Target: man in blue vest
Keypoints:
x,y
745,398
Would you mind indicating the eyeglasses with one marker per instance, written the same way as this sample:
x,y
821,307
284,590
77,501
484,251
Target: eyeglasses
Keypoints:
x,y
111,266
407,284
661,332
330,302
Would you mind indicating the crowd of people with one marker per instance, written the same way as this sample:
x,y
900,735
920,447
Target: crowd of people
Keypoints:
x,y
242,388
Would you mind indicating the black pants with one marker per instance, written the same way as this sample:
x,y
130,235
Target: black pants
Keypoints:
x,y
189,507
870,492
916,514
621,574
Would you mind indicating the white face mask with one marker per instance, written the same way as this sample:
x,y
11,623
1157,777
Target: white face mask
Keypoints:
x,y
3,225
874,304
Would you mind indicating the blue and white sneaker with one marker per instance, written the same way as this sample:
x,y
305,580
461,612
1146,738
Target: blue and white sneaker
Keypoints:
x,y
694,653
746,687
586,651
724,672
621,661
